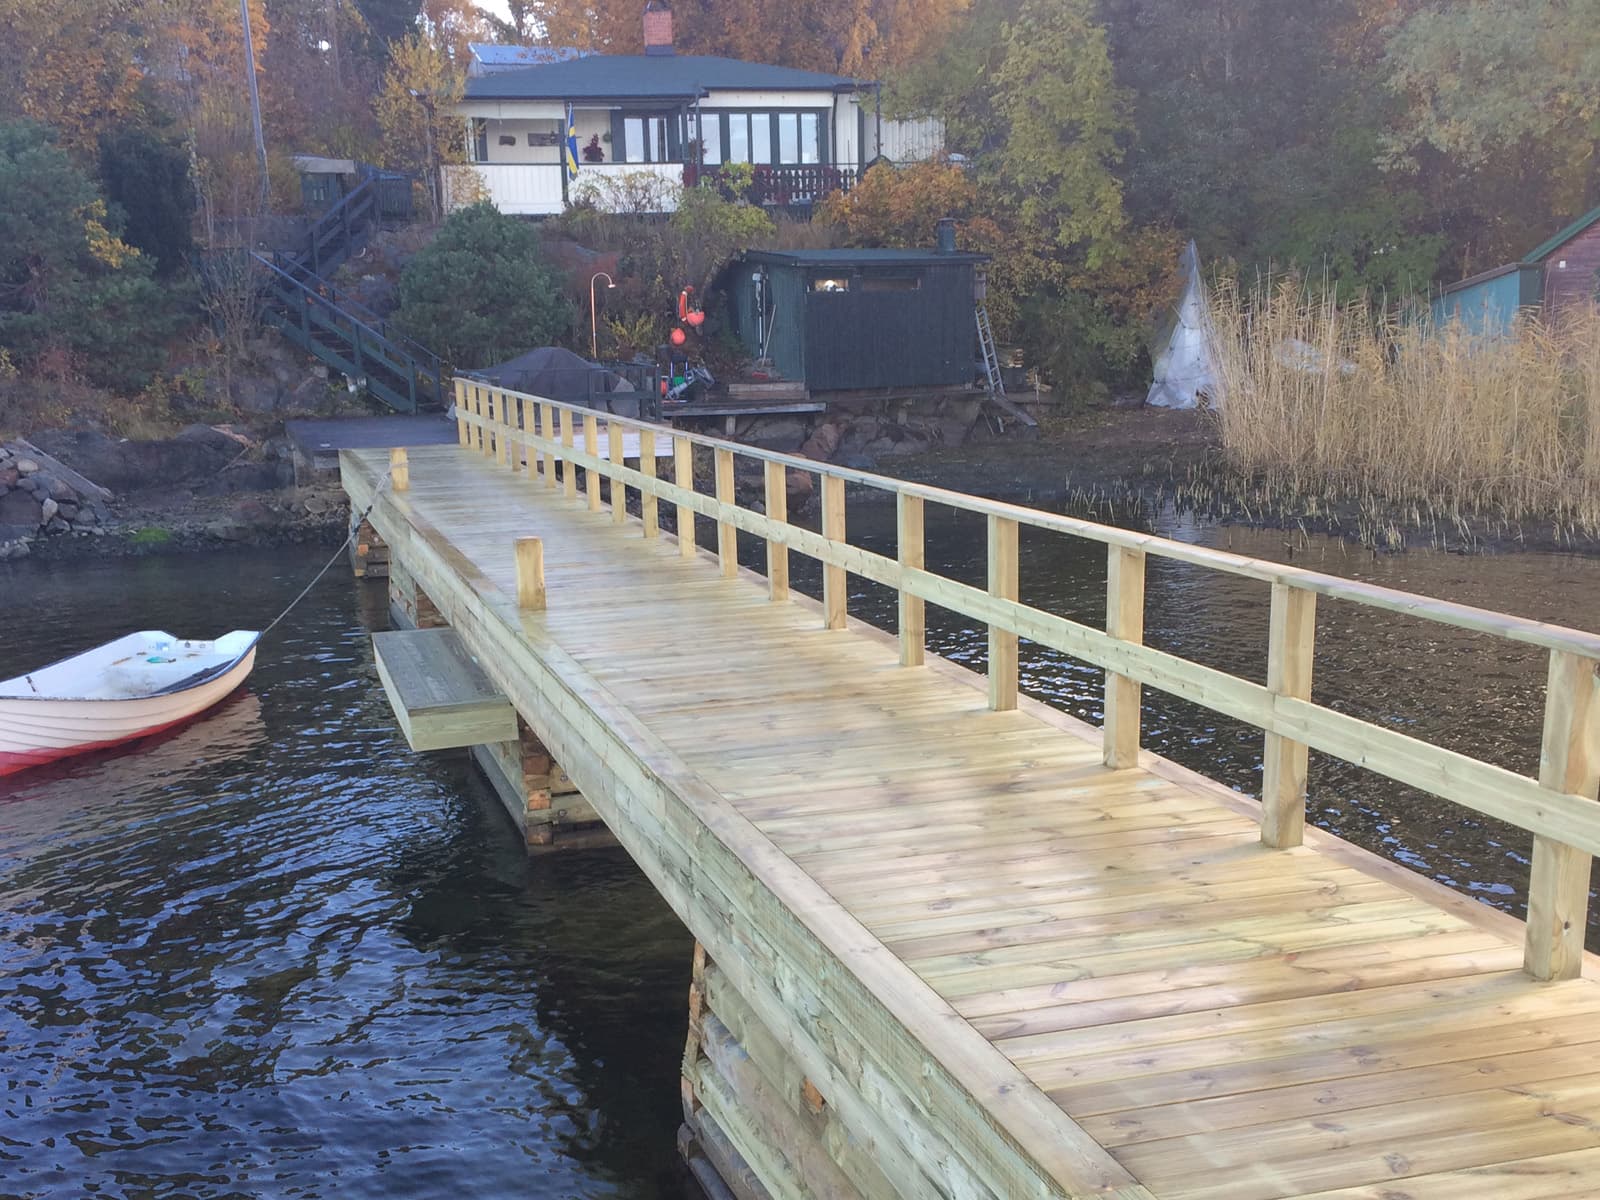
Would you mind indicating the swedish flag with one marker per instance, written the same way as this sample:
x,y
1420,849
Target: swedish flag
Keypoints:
x,y
572,145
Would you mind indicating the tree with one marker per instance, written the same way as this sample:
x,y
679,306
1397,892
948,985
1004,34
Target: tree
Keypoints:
x,y
68,284
1030,98
482,291
1500,118
145,172
854,37
70,63
420,87
1065,120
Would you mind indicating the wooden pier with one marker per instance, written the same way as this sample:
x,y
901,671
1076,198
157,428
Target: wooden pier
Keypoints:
x,y
954,943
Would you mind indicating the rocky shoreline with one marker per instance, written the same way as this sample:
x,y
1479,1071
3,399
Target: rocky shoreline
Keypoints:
x,y
207,488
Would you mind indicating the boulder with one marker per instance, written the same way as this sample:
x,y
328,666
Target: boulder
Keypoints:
x,y
783,433
48,510
19,509
197,453
800,485
823,442
26,466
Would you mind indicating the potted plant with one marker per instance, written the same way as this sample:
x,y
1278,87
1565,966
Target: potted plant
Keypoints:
x,y
592,152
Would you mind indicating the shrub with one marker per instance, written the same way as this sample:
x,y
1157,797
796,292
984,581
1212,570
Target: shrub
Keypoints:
x,y
71,290
482,290
146,174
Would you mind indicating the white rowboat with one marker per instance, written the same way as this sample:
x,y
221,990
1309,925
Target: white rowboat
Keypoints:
x,y
130,688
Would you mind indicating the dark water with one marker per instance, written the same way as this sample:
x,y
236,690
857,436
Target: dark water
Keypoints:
x,y
276,954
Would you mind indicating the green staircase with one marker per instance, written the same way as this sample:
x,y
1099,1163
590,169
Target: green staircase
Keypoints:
x,y
298,300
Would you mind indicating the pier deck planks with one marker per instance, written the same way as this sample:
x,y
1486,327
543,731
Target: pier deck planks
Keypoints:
x,y
1228,1021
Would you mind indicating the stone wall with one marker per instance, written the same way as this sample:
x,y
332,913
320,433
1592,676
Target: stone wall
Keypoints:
x,y
37,499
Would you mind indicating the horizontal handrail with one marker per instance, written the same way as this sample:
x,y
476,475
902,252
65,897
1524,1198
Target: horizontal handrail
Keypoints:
x,y
1445,612
1559,807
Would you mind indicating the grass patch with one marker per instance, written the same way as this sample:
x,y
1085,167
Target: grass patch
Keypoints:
x,y
150,535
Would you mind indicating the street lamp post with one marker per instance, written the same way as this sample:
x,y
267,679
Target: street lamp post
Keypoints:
x,y
594,333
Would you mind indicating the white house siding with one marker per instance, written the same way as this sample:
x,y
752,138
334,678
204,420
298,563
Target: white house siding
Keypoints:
x,y
916,139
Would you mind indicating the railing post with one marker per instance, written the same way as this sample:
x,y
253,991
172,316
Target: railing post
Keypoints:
x,y
913,614
727,539
530,573
547,430
569,478
683,476
479,406
1125,621
491,442
835,581
591,447
461,412
399,469
649,502
619,490
1569,761
514,442
1003,586
777,505
1292,636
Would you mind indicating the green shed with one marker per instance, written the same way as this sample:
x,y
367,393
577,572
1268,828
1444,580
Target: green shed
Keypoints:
x,y
859,320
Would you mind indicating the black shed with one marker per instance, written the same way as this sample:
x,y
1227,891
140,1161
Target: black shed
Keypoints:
x,y
848,320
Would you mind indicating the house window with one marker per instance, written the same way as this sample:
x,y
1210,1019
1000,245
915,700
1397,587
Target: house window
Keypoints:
x,y
644,139
480,139
830,283
776,138
708,129
788,137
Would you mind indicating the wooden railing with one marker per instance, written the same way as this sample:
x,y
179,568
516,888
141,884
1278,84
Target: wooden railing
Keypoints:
x,y
1558,808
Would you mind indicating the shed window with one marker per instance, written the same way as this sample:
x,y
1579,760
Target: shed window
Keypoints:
x,y
830,283
907,281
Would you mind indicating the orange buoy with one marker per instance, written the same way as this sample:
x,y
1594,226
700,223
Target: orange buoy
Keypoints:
x,y
678,337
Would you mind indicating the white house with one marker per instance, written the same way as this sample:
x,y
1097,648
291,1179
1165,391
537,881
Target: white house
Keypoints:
x,y
668,119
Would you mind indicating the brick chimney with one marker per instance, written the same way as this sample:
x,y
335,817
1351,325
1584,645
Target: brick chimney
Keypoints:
x,y
657,28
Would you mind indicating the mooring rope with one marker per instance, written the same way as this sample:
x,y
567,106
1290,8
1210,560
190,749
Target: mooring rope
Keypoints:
x,y
355,528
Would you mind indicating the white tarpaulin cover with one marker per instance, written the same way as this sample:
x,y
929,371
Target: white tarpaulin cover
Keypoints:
x,y
1183,348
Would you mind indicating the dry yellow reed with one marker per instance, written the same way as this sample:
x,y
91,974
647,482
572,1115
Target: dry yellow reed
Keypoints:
x,y
1352,399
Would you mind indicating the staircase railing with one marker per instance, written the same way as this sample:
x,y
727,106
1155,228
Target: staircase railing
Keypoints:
x,y
332,328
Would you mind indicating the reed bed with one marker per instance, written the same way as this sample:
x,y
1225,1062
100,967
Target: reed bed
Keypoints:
x,y
1352,400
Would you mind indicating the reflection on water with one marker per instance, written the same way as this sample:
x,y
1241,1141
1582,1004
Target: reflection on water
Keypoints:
x,y
276,954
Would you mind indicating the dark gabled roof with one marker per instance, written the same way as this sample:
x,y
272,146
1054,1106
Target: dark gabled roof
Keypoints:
x,y
1545,249
861,257
653,76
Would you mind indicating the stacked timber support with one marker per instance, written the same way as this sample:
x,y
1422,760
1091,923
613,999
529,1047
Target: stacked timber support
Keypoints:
x,y
542,801
369,555
751,1111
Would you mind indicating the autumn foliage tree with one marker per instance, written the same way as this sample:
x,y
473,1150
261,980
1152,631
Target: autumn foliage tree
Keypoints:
x,y
420,87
